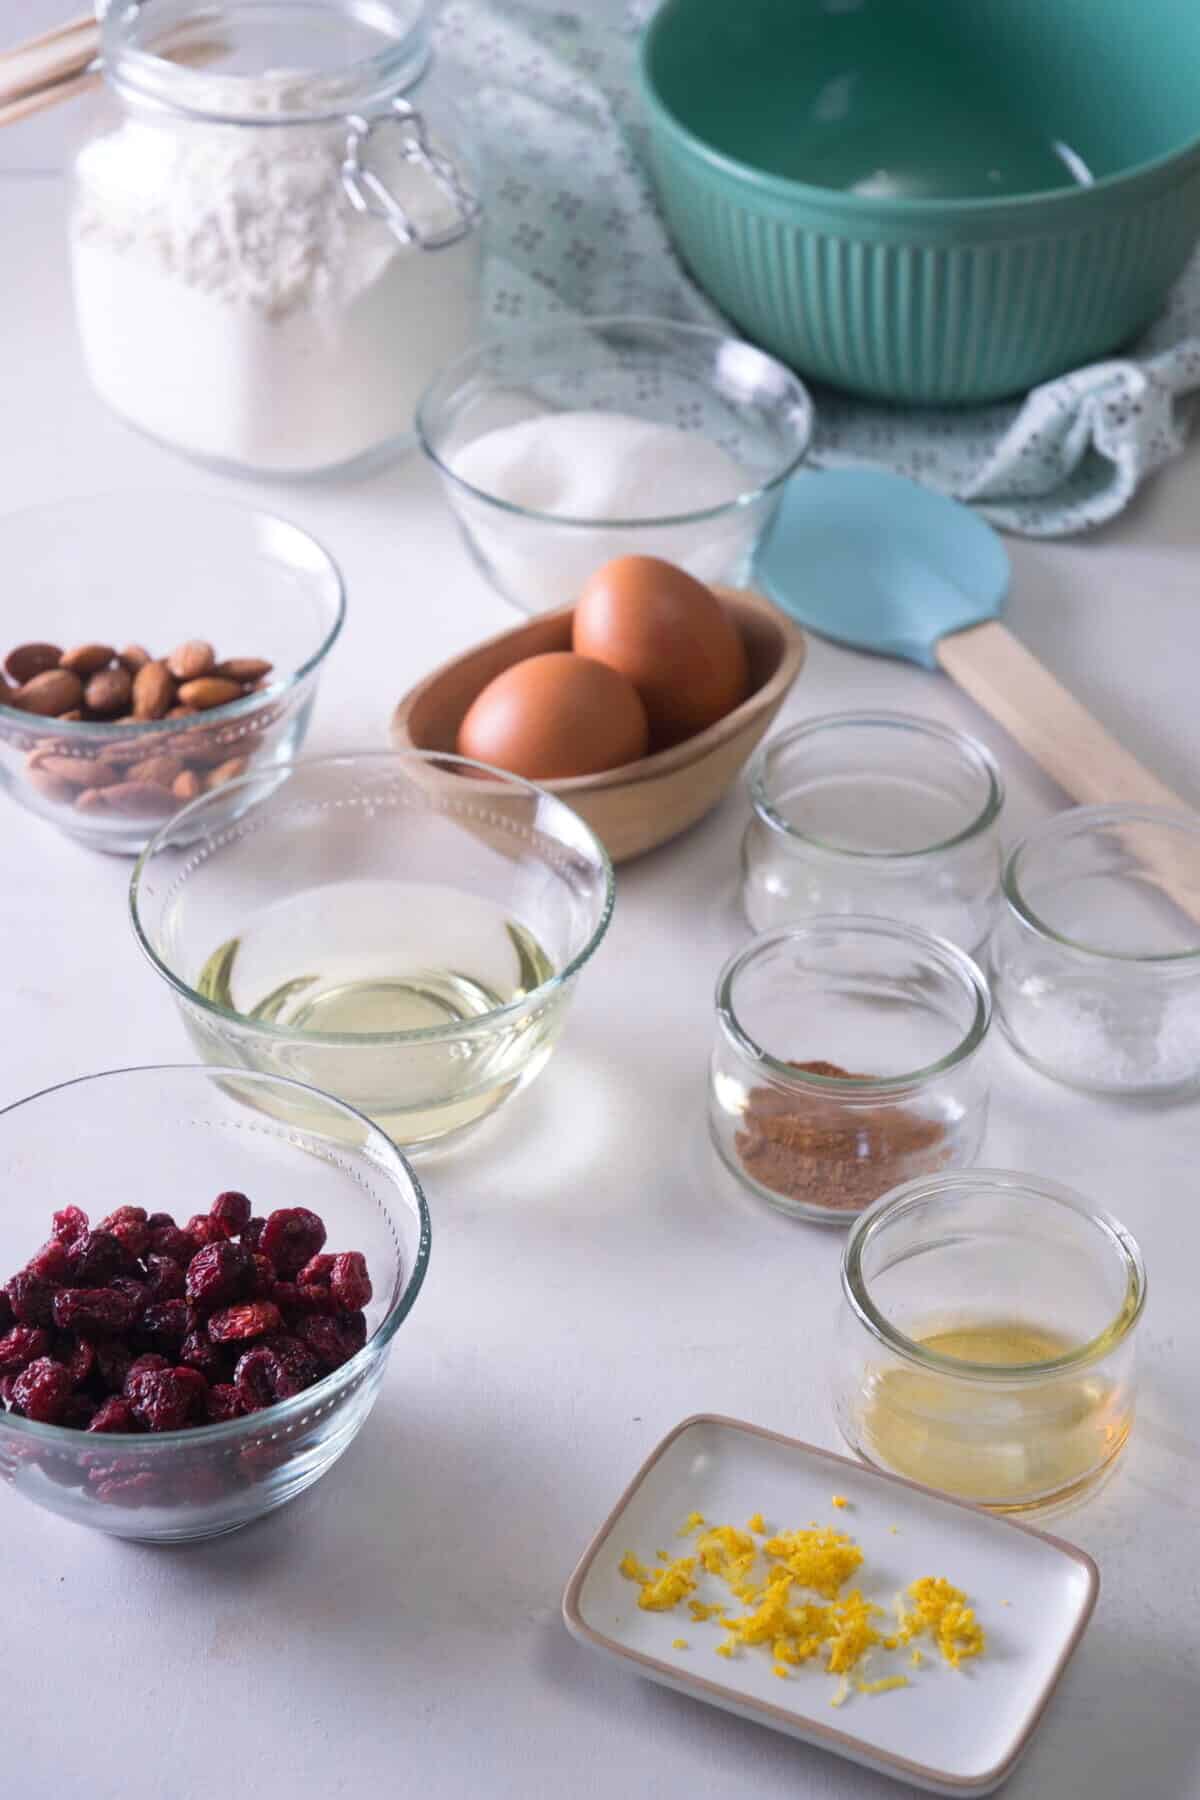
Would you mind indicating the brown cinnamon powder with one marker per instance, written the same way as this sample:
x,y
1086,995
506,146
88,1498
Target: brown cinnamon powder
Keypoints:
x,y
825,1152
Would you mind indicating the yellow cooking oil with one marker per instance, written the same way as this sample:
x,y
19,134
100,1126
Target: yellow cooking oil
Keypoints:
x,y
1008,1444
383,992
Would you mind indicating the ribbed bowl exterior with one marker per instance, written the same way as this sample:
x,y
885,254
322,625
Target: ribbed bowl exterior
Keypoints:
x,y
940,305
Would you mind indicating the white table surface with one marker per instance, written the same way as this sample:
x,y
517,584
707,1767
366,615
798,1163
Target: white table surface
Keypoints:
x,y
397,1629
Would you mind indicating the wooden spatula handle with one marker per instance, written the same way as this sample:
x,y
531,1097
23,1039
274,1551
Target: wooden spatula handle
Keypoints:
x,y
1062,737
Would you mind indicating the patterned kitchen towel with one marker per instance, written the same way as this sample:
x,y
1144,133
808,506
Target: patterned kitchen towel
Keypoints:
x,y
574,229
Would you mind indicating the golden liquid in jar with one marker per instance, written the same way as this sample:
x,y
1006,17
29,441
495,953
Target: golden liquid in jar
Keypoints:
x,y
1005,1445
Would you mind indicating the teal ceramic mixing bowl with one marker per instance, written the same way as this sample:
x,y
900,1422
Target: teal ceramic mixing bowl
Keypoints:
x,y
926,200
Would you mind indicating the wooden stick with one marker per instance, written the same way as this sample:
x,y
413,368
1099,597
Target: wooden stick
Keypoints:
x,y
1063,738
34,67
67,29
189,55
45,98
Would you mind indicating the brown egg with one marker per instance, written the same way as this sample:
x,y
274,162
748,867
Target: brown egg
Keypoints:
x,y
670,636
553,716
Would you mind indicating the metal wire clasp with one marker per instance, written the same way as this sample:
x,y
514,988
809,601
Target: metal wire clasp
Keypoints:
x,y
369,195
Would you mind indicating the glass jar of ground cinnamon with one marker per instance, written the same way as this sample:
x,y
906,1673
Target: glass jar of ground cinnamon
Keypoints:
x,y
847,1059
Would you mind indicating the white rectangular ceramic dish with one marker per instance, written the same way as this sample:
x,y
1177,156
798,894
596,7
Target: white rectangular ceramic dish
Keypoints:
x,y
952,1731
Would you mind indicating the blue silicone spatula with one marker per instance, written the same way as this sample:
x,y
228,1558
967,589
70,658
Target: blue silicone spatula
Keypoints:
x,y
875,561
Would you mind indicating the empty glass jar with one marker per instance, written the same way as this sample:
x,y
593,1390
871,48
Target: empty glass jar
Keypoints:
x,y
875,813
846,1060
1095,961
985,1342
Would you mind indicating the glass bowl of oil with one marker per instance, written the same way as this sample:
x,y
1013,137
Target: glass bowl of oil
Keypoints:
x,y
378,926
985,1344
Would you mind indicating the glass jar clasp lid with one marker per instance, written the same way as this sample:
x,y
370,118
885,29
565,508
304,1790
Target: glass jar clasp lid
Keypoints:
x,y
370,195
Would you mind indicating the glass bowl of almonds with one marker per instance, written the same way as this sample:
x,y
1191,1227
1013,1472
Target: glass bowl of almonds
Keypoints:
x,y
157,647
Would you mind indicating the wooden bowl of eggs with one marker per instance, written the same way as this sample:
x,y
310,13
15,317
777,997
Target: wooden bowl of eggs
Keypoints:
x,y
638,706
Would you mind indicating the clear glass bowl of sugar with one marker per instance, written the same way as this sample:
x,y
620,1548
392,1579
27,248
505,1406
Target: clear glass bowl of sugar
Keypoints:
x,y
568,445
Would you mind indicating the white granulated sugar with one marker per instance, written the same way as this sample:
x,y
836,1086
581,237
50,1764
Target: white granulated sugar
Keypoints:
x,y
597,465
231,303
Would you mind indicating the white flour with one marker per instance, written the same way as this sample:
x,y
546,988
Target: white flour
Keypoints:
x,y
231,303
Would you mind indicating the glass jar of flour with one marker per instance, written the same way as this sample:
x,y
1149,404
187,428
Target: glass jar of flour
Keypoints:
x,y
274,233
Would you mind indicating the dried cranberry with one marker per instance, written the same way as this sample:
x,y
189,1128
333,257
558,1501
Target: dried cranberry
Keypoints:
x,y
252,1232
138,1489
199,1352
165,1325
113,1362
257,1318
21,1346
264,1277
286,1295
7,1384
333,1341
131,1228
192,1382
298,1367
168,1240
314,1299
156,1221
50,1263
224,1402
133,1288
316,1271
42,1390
160,1401
290,1237
218,1275
94,1312
164,1279
95,1258
78,1359
68,1224
31,1299
78,1413
113,1414
232,1209
254,1379
149,1364
203,1229
349,1282
6,1312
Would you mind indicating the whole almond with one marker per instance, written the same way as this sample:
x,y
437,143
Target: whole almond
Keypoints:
x,y
181,712
153,691
123,752
189,661
50,787
209,691
244,668
161,769
76,771
226,771
109,691
73,714
89,800
140,799
87,659
134,657
52,692
186,786
28,660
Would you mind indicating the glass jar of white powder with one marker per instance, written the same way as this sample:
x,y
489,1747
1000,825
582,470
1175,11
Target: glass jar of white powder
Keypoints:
x,y
274,232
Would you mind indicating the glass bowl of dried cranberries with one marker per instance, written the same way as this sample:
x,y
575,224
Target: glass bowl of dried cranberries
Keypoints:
x,y
197,1300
